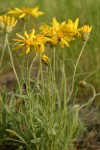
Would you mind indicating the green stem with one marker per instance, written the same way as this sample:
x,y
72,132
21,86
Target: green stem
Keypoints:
x,y
38,75
4,47
23,68
54,62
49,78
75,69
29,72
64,79
42,78
30,69
12,63
27,66
54,87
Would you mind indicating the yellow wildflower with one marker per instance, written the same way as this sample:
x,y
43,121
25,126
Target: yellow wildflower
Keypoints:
x,y
61,33
7,23
72,28
47,31
86,29
25,42
31,41
68,32
25,12
84,32
39,43
45,59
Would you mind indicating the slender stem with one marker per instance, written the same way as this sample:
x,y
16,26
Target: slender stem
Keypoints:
x,y
42,78
54,63
93,89
27,82
23,68
75,69
64,78
30,69
12,63
38,75
4,47
27,66
49,78
54,87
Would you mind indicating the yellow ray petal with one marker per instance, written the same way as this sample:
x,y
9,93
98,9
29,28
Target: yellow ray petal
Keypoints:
x,y
76,23
20,36
17,40
19,46
32,34
27,49
22,15
25,33
65,42
55,24
17,9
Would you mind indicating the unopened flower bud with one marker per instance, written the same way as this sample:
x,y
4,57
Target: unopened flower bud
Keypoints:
x,y
84,32
7,23
45,60
82,83
8,29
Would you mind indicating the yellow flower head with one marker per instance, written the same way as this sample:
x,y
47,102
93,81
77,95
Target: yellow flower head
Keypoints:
x,y
60,33
33,41
46,30
25,12
38,43
84,32
25,43
86,29
72,28
45,59
68,32
7,23
51,32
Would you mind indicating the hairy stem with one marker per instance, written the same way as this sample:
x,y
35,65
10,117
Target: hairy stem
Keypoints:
x,y
75,69
4,47
12,63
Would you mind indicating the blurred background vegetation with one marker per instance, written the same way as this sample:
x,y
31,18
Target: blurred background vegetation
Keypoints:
x,y
88,13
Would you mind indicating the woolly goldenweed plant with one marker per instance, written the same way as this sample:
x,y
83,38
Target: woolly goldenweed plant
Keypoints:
x,y
39,114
